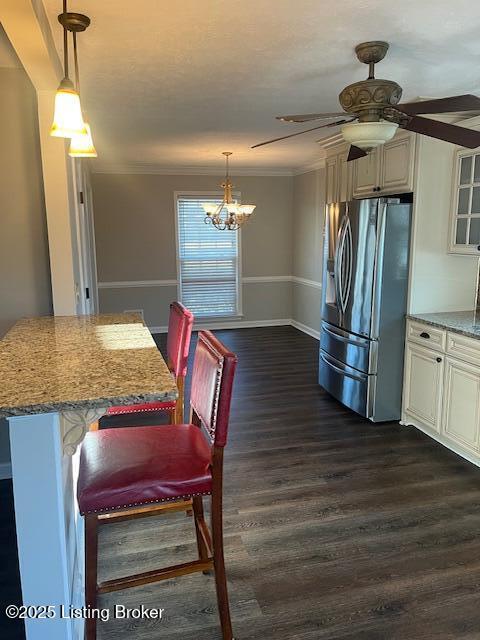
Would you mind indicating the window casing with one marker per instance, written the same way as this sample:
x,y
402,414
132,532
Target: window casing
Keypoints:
x,y
208,260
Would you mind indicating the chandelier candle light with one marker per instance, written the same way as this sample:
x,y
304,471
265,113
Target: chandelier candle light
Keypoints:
x,y
229,214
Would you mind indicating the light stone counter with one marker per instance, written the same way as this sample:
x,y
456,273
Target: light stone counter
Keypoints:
x,y
465,322
70,363
58,375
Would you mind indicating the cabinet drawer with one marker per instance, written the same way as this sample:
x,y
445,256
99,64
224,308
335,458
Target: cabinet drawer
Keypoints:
x,y
426,335
463,347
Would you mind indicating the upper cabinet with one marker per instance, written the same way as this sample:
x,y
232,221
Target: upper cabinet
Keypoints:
x,y
338,175
387,169
465,211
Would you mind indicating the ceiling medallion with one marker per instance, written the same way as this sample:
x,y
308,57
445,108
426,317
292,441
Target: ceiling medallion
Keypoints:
x,y
229,215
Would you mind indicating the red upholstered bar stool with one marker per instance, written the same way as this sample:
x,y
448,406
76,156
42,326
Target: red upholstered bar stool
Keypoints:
x,y
134,466
178,345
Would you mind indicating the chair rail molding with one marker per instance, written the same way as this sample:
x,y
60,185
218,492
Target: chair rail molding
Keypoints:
x,y
129,284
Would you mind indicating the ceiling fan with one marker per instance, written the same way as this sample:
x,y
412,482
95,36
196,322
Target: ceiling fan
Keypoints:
x,y
372,111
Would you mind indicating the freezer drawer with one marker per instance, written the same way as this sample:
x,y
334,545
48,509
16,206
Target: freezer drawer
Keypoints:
x,y
352,350
351,387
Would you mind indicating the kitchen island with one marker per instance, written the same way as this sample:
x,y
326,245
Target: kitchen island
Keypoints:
x,y
59,374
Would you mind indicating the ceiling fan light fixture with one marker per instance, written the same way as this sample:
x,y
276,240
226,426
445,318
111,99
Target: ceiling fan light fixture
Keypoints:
x,y
368,135
67,119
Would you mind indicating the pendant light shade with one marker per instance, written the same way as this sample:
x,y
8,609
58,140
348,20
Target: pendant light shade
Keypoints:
x,y
67,119
82,146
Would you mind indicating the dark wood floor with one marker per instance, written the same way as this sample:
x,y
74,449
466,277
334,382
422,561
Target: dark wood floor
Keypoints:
x,y
335,528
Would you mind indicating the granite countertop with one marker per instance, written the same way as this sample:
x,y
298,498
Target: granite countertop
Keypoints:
x,y
464,322
65,363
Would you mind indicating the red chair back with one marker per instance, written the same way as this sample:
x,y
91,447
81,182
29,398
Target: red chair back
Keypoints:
x,y
178,340
212,382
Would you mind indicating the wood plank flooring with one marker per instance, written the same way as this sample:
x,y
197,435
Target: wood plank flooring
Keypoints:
x,y
335,528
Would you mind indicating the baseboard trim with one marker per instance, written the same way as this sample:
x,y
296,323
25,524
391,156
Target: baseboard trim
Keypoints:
x,y
246,324
306,329
5,470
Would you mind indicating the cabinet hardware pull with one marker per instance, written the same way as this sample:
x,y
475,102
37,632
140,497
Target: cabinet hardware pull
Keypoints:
x,y
438,359
425,335
478,248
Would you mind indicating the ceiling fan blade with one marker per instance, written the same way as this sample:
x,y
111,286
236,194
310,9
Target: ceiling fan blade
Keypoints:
x,y
355,153
452,104
444,131
306,117
299,133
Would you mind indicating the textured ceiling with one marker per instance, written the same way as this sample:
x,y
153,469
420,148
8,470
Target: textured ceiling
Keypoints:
x,y
176,83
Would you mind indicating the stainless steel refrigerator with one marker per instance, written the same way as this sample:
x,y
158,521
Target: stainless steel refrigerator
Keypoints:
x,y
364,298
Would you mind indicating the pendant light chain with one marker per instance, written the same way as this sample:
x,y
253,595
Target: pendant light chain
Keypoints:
x,y
75,60
65,43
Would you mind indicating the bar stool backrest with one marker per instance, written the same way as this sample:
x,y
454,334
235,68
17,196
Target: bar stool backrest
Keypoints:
x,y
212,381
178,340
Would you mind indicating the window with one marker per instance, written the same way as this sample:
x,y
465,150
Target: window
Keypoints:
x,y
208,262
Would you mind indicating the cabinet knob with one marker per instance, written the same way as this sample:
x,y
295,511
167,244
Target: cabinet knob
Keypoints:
x,y
438,359
425,335
478,248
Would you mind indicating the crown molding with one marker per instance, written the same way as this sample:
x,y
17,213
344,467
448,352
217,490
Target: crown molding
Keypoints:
x,y
307,168
139,168
334,140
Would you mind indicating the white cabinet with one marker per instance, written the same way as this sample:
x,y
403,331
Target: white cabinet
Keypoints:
x,y
338,175
465,208
387,169
365,175
461,414
423,383
441,394
331,179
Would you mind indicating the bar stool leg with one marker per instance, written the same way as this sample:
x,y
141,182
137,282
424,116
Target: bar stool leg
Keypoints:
x,y
219,565
91,559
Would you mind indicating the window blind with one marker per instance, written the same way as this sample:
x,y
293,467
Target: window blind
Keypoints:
x,y
208,261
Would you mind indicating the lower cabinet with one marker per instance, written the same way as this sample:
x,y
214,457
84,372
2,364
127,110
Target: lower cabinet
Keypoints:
x,y
423,385
461,410
441,394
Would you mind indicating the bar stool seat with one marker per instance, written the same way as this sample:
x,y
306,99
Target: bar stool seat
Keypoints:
x,y
135,466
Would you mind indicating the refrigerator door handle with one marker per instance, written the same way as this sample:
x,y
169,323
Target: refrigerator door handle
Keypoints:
x,y
336,270
347,255
358,342
344,371
338,266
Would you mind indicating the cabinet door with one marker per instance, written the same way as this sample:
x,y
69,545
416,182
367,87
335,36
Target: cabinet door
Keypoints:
x,y
365,174
344,178
465,213
331,179
423,385
396,171
461,414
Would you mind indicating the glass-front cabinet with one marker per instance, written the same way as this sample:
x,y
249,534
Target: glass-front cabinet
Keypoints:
x,y
465,227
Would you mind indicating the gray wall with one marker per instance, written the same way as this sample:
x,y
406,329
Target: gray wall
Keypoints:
x,y
24,265
308,216
135,241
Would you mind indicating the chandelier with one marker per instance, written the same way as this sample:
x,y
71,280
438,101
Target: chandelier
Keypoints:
x,y
229,214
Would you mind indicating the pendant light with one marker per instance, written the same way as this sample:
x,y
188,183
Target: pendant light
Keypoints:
x,y
68,119
229,214
81,146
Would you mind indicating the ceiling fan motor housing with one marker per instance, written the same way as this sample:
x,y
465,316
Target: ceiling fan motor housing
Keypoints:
x,y
368,98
